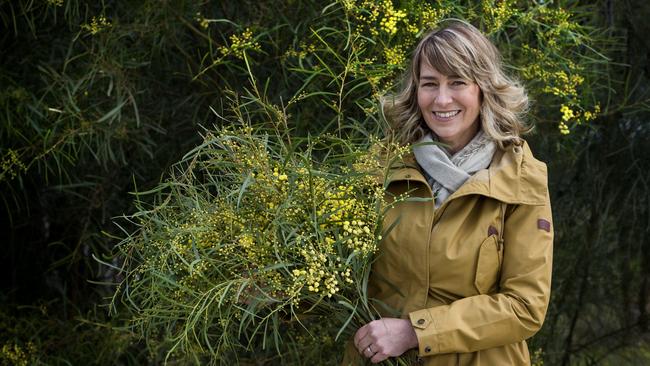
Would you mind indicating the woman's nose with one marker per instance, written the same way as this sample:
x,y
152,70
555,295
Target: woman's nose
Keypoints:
x,y
443,97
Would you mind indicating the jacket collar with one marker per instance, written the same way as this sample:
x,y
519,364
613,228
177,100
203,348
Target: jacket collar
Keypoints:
x,y
514,176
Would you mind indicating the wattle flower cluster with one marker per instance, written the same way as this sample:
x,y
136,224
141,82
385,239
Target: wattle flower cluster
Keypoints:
x,y
250,235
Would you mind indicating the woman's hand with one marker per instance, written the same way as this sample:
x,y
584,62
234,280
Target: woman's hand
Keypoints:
x,y
386,337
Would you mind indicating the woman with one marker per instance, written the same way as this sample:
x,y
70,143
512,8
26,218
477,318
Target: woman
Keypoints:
x,y
467,275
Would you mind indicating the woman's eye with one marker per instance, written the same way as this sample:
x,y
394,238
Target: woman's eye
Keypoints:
x,y
458,82
428,85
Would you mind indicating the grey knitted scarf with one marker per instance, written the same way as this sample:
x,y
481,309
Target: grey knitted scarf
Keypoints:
x,y
446,173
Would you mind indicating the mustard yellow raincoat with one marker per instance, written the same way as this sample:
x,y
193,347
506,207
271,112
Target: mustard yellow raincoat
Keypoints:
x,y
474,275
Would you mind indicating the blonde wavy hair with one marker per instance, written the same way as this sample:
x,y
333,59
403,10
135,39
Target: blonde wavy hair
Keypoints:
x,y
460,49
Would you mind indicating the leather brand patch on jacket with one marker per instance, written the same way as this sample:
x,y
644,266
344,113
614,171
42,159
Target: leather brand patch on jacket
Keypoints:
x,y
544,225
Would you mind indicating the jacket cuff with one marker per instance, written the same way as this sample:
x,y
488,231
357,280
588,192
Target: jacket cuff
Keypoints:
x,y
425,330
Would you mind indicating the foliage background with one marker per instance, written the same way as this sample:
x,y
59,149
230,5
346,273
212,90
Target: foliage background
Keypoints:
x,y
99,98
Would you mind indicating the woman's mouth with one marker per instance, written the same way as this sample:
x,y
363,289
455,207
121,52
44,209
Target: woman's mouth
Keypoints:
x,y
446,115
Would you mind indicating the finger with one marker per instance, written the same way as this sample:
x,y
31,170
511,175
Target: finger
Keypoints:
x,y
366,342
366,353
378,357
359,335
369,352
363,347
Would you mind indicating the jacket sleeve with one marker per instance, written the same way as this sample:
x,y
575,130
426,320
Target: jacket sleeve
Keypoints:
x,y
516,311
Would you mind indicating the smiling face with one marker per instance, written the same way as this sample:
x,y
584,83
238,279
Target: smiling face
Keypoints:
x,y
450,106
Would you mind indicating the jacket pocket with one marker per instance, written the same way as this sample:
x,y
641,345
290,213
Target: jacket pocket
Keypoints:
x,y
488,265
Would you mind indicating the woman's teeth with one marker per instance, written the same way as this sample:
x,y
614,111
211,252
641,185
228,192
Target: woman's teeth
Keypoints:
x,y
446,114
